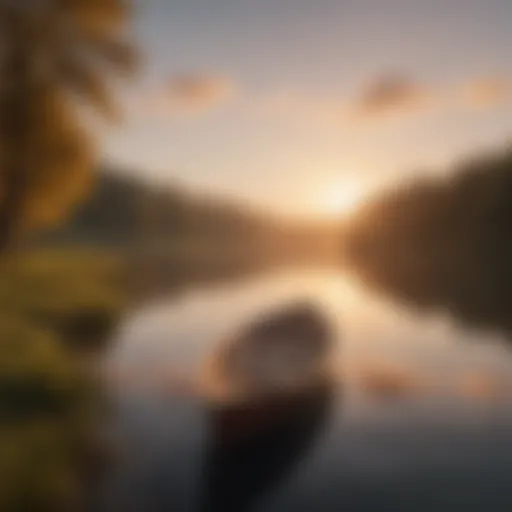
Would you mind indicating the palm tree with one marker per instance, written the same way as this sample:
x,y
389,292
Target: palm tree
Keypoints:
x,y
57,59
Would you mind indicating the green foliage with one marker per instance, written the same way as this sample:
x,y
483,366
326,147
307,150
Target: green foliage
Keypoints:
x,y
76,295
46,407
52,303
35,375
57,59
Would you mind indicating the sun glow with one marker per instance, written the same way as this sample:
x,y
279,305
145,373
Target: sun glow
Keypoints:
x,y
343,199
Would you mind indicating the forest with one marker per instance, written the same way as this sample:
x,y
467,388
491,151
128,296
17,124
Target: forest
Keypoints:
x,y
443,242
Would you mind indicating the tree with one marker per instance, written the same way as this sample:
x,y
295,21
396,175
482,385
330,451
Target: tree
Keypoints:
x,y
57,60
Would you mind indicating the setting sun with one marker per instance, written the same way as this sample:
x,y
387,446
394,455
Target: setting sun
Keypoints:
x,y
342,199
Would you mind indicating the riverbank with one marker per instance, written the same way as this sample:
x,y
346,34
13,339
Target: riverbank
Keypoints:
x,y
57,307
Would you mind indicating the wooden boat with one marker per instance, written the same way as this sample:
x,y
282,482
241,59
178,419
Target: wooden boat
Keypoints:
x,y
268,371
277,394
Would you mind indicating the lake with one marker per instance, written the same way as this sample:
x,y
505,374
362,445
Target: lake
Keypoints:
x,y
420,419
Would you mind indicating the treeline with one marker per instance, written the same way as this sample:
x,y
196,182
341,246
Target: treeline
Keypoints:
x,y
443,242
130,213
125,210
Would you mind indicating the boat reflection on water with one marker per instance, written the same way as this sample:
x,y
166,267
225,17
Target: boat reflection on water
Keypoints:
x,y
281,400
240,472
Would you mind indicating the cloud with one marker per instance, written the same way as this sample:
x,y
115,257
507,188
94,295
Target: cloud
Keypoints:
x,y
487,92
391,94
388,96
398,95
193,94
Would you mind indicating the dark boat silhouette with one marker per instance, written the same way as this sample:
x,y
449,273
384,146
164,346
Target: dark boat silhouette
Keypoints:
x,y
282,394
241,471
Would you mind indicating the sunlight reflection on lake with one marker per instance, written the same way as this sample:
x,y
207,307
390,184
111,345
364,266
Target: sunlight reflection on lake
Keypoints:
x,y
423,407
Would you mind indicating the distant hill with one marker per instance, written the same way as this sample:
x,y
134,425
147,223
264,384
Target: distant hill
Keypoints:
x,y
443,242
124,210
127,212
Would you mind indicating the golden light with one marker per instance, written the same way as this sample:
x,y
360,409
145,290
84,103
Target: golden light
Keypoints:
x,y
343,199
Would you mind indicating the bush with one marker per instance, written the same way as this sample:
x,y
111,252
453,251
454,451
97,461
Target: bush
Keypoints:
x,y
77,295
51,302
46,412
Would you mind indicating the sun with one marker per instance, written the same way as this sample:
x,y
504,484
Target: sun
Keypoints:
x,y
342,199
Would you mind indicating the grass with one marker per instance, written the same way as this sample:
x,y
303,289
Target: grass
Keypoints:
x,y
76,295
55,305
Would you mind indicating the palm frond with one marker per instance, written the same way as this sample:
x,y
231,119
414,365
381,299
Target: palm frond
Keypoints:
x,y
89,84
120,55
97,15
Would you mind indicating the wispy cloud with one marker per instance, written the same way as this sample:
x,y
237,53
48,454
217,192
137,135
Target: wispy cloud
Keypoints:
x,y
391,94
193,94
381,98
487,92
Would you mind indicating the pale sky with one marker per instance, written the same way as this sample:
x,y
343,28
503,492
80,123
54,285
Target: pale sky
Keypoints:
x,y
285,102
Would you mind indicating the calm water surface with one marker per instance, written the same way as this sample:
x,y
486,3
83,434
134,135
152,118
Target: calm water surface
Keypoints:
x,y
421,419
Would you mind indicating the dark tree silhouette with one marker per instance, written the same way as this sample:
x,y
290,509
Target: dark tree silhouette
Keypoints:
x,y
444,243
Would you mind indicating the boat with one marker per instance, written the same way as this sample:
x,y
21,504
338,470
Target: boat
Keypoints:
x,y
278,392
269,368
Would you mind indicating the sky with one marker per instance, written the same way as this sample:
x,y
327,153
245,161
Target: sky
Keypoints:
x,y
298,106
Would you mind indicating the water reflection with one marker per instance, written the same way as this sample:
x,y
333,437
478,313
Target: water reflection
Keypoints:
x,y
423,422
240,472
477,296
442,243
